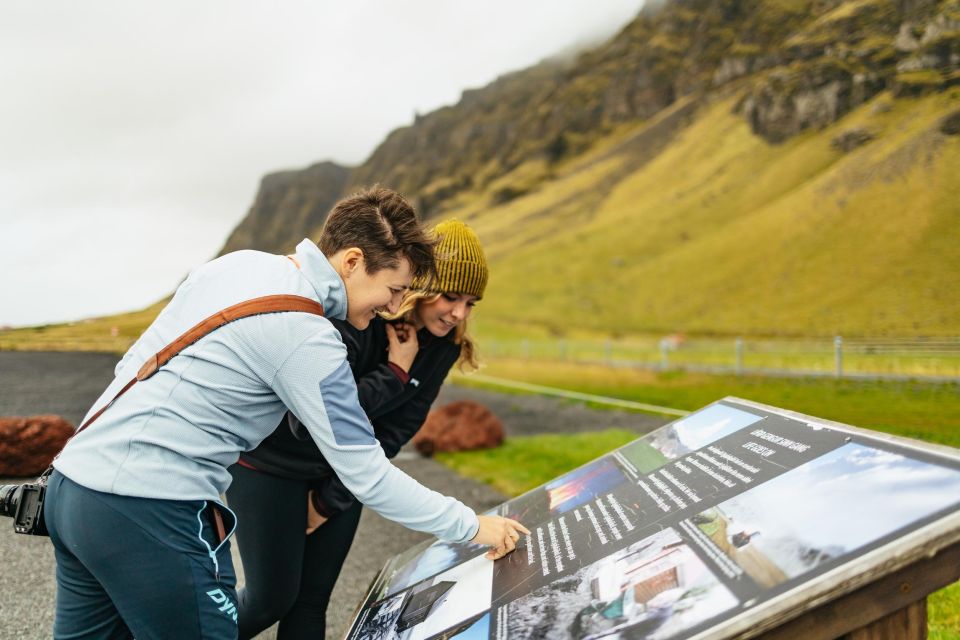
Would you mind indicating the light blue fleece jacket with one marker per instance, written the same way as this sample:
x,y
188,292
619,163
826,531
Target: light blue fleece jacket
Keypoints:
x,y
174,435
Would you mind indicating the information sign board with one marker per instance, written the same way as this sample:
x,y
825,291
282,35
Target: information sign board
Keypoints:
x,y
700,527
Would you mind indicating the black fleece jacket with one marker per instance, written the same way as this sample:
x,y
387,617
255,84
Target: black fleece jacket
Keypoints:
x,y
396,409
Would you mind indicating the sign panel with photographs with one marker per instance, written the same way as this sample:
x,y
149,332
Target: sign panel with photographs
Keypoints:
x,y
707,518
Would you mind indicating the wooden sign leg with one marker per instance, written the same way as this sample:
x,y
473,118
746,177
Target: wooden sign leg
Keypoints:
x,y
908,623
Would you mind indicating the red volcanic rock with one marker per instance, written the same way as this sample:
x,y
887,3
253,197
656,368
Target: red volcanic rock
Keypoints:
x,y
459,426
28,444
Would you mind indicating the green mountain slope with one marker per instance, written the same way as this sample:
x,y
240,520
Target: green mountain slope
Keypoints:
x,y
775,167
725,233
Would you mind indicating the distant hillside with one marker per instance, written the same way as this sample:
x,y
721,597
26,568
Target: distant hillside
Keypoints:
x,y
724,233
779,167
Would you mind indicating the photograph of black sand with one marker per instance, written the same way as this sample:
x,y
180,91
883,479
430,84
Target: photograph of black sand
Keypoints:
x,y
729,514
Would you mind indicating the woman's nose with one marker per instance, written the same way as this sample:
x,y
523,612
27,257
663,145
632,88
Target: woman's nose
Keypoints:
x,y
394,305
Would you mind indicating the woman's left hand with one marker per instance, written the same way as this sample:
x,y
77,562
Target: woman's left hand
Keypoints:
x,y
402,345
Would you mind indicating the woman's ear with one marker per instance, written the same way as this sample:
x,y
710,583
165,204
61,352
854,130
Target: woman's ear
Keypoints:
x,y
350,261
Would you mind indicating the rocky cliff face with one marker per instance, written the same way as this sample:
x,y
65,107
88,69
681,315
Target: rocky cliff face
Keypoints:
x,y
847,54
289,206
797,65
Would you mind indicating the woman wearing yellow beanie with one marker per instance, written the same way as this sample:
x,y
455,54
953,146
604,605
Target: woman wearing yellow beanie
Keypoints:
x,y
287,487
443,304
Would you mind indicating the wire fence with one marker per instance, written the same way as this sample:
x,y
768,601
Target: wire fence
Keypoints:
x,y
927,358
932,359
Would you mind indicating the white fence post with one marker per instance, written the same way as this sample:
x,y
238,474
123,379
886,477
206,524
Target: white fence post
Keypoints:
x,y
739,359
664,355
838,356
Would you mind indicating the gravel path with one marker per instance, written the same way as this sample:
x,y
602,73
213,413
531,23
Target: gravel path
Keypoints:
x,y
68,383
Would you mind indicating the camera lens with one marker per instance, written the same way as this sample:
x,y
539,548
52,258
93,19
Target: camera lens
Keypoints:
x,y
9,498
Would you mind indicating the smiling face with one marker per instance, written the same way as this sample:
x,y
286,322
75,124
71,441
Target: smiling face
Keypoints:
x,y
369,293
445,313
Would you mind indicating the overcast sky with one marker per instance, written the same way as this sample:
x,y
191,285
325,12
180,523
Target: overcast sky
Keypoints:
x,y
133,135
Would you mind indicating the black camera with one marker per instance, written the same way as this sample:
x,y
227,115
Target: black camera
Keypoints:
x,y
24,503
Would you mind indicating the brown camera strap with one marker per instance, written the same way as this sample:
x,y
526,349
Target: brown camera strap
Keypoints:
x,y
256,306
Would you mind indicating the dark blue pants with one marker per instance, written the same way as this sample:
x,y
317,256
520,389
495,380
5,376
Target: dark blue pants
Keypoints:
x,y
138,567
289,575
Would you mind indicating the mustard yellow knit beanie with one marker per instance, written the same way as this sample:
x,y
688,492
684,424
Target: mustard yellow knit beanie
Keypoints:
x,y
461,265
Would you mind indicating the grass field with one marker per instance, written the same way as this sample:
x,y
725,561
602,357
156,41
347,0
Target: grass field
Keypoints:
x,y
108,334
891,357
922,410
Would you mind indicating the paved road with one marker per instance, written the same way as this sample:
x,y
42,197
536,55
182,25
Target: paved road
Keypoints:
x,y
68,383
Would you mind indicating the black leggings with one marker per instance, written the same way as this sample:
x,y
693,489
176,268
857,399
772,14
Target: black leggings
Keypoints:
x,y
289,575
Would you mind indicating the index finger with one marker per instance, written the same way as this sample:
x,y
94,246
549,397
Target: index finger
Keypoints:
x,y
518,526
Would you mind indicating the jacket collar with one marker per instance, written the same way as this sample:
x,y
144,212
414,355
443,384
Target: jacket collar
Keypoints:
x,y
324,279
